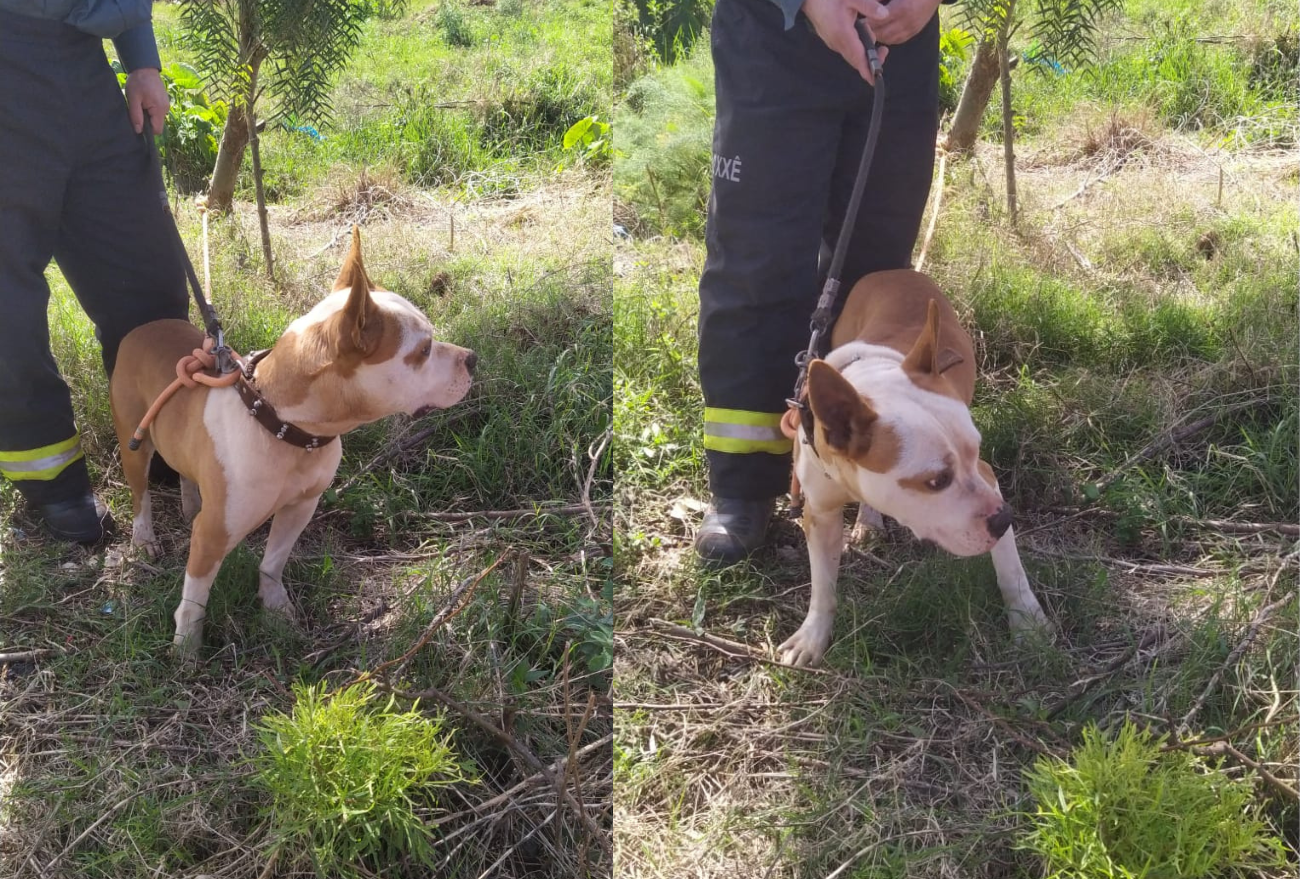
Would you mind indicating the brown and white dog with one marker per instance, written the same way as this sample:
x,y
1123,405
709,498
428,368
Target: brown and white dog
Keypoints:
x,y
892,431
362,353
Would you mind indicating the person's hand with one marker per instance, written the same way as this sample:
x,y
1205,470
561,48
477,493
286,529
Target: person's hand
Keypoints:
x,y
145,91
899,21
833,20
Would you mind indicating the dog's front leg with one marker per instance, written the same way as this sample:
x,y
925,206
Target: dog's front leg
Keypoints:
x,y
287,525
824,530
210,542
1024,613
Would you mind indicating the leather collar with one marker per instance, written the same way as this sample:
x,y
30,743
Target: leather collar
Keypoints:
x,y
261,409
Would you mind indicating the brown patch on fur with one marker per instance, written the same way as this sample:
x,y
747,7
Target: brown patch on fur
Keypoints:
x,y
417,357
844,416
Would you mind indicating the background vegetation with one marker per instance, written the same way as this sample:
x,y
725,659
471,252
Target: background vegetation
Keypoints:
x,y
1138,398
459,565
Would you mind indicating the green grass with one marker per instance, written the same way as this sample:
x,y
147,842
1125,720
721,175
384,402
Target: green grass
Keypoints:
x,y
133,765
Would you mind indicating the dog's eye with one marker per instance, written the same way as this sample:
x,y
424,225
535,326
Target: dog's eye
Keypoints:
x,y
940,482
427,349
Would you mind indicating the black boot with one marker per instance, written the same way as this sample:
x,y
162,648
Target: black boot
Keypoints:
x,y
732,530
81,519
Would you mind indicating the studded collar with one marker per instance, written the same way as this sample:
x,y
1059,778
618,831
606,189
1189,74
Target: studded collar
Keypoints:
x,y
261,409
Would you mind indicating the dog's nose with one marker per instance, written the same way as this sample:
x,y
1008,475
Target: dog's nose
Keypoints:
x,y
471,360
1000,521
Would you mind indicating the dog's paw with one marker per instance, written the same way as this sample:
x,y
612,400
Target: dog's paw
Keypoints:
x,y
806,647
1030,623
275,598
143,539
186,644
868,521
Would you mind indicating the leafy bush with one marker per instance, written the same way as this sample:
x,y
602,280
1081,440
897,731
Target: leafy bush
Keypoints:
x,y
664,140
672,27
351,782
1125,809
192,130
953,46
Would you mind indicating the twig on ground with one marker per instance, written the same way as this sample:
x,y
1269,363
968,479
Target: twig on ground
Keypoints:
x,y
540,510
1130,567
1225,749
1172,437
1000,722
25,655
1081,686
733,649
457,602
514,745
1252,630
595,457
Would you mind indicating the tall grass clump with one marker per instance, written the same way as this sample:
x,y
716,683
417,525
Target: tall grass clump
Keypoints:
x,y
352,781
663,136
1194,85
1125,808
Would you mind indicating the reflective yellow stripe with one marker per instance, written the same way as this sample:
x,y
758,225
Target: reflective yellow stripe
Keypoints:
x,y
746,446
740,416
41,464
741,432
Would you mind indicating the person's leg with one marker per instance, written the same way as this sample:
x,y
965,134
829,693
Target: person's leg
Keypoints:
x,y
116,244
775,140
40,450
898,183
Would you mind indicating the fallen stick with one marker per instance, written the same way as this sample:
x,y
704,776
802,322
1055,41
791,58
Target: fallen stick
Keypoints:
x,y
514,745
25,655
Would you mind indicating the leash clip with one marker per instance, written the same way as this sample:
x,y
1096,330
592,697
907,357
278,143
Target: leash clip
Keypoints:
x,y
220,350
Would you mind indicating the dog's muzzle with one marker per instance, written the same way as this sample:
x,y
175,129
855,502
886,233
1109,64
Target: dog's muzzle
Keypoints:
x,y
1000,521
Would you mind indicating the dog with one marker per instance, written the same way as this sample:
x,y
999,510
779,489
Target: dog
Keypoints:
x,y
892,430
359,355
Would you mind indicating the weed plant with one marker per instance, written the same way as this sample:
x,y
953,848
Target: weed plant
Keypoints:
x,y
1128,807
351,780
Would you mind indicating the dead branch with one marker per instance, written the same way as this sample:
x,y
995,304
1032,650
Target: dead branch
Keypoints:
x,y
515,746
1251,631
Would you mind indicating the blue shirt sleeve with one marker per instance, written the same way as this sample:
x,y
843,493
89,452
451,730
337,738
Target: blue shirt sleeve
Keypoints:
x,y
137,48
789,8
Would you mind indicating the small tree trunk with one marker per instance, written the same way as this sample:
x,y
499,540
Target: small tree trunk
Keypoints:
x,y
975,96
249,106
230,155
1008,123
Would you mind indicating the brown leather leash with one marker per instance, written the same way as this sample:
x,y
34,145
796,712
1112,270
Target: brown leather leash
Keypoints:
x,y
800,413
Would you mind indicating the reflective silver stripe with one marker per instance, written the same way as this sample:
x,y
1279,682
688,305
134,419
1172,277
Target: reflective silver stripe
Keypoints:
x,y
41,468
742,431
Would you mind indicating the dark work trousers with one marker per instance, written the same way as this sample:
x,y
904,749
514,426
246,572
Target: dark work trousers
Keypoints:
x,y
75,186
792,119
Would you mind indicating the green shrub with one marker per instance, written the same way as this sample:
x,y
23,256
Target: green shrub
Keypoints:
x,y
351,782
1125,809
663,137
672,27
192,130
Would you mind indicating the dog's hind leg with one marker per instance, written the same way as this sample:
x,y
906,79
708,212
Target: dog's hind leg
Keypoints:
x,y
191,502
286,527
869,519
135,466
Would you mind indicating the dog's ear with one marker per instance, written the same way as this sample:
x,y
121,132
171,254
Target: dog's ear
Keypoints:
x,y
844,415
358,328
926,356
